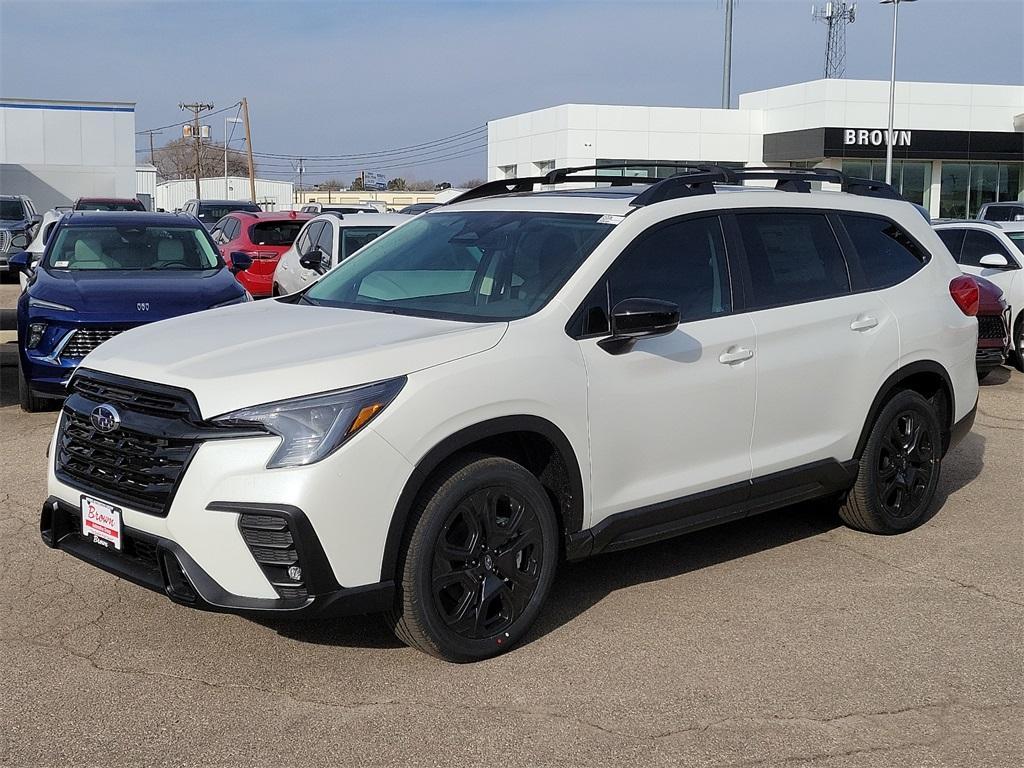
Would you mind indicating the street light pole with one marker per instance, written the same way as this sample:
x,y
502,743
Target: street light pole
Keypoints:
x,y
226,121
892,85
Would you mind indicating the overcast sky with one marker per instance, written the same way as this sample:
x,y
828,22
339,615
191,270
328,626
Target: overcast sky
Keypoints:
x,y
339,78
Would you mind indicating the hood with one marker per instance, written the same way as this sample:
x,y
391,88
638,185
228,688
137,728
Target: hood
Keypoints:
x,y
114,296
270,350
990,297
13,224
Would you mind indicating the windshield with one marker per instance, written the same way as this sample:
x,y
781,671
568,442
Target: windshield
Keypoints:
x,y
275,232
109,205
133,248
215,212
1018,239
478,265
11,210
354,238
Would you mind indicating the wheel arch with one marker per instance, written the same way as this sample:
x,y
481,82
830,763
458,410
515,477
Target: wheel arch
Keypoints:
x,y
531,440
926,377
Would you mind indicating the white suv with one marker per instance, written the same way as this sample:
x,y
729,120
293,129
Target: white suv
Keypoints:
x,y
995,252
515,378
324,241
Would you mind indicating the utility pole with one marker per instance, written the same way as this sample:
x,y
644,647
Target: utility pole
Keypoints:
x,y
835,15
152,151
196,109
248,145
302,169
727,64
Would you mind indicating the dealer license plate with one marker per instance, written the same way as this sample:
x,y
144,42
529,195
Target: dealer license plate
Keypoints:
x,y
101,522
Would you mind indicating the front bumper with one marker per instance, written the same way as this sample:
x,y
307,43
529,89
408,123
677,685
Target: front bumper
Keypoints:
x,y
161,565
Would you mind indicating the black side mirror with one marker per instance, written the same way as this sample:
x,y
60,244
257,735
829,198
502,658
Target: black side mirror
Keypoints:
x,y
312,259
20,261
240,261
634,319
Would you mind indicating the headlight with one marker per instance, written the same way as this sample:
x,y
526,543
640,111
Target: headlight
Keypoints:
x,y
49,305
313,427
35,334
244,298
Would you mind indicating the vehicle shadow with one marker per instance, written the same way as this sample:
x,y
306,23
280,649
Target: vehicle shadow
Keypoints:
x,y
9,374
996,376
580,586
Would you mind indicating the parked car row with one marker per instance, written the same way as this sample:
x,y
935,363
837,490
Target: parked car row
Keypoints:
x,y
428,428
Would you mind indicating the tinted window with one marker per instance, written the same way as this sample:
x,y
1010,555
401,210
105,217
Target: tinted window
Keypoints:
x,y
1018,240
471,265
308,238
682,262
275,232
1002,212
325,242
12,210
954,240
978,244
792,257
354,238
214,211
886,253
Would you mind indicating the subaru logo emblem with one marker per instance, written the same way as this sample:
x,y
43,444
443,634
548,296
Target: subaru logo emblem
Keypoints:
x,y
105,418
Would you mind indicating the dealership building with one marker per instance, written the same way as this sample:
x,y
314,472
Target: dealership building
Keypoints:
x,y
58,151
955,146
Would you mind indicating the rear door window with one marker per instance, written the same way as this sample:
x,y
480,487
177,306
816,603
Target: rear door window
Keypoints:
x,y
791,258
886,253
954,240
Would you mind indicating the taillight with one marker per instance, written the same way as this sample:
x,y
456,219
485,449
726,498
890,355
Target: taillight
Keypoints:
x,y
965,293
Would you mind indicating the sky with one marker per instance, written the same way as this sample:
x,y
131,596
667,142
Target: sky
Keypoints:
x,y
347,78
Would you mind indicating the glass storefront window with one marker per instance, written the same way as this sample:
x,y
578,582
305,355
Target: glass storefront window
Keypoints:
x,y
968,186
912,179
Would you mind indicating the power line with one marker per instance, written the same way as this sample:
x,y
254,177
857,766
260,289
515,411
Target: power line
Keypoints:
x,y
186,122
404,157
396,150
468,152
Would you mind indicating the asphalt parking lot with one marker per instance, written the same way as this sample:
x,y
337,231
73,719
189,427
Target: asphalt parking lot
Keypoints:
x,y
785,639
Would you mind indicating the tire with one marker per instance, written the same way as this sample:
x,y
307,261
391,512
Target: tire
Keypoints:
x,y
1018,343
899,469
460,597
30,402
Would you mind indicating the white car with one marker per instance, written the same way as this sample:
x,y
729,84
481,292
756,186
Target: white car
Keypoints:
x,y
324,242
994,251
514,379
38,244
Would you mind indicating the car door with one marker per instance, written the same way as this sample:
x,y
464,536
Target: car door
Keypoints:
x,y
823,350
286,274
672,416
977,244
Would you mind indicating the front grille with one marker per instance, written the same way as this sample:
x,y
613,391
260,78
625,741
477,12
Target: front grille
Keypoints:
x,y
272,545
85,340
158,403
5,240
134,468
991,327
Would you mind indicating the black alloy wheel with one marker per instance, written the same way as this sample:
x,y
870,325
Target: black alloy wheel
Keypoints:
x,y
899,467
906,461
478,561
487,562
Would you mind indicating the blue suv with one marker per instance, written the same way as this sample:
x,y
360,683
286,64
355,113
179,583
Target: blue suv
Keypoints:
x,y
103,273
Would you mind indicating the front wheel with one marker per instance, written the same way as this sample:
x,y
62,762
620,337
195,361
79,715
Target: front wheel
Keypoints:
x,y
899,469
1018,343
479,562
30,402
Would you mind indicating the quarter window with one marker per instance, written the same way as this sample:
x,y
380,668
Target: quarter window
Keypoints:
x,y
792,258
978,244
886,253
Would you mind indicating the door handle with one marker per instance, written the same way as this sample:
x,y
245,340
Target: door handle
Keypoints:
x,y
736,355
863,323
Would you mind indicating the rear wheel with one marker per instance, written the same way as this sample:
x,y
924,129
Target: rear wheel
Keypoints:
x,y
1018,343
479,562
899,469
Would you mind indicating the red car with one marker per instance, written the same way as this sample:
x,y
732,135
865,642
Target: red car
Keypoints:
x,y
264,237
108,204
993,327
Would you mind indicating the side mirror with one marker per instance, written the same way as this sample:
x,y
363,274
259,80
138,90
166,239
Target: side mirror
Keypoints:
x,y
240,261
20,261
312,259
994,260
634,319
20,240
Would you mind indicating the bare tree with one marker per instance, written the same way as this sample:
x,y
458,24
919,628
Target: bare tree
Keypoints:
x,y
177,160
427,185
470,183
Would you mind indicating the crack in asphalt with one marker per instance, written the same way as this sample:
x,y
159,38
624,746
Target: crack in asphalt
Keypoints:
x,y
921,574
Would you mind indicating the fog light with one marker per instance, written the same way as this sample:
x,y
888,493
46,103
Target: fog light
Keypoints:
x,y
295,573
35,334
